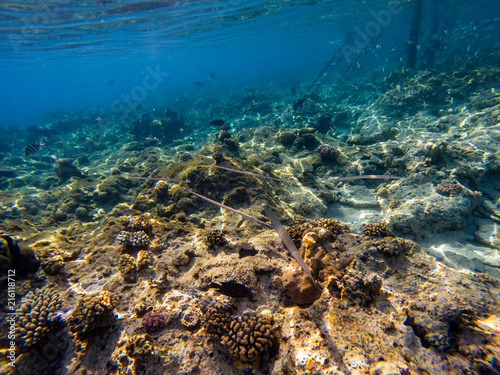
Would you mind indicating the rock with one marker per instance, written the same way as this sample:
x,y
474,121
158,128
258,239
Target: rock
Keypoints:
x,y
65,169
81,213
388,368
488,231
300,288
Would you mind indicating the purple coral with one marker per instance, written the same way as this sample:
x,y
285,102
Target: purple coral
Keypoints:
x,y
327,153
153,322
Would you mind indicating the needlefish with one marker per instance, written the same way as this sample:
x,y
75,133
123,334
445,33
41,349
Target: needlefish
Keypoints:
x,y
285,237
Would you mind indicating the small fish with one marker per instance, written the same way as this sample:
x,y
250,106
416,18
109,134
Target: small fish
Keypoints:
x,y
98,120
293,91
199,84
33,149
211,76
53,158
229,208
244,172
111,82
139,106
369,176
155,179
298,104
217,122
231,289
128,211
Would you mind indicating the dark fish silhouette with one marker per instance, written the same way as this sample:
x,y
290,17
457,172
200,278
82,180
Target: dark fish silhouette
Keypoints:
x,y
138,106
293,91
33,149
232,289
217,122
23,261
211,76
111,82
199,84
298,104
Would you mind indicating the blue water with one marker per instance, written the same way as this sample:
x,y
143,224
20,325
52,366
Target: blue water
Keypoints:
x,y
61,56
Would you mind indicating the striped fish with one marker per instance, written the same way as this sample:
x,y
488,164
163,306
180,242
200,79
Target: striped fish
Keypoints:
x,y
33,149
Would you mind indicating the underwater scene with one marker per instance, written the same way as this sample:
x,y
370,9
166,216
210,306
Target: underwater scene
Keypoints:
x,y
245,187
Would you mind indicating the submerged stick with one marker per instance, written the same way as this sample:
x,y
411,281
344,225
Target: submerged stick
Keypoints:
x,y
228,208
369,176
244,172
285,237
155,179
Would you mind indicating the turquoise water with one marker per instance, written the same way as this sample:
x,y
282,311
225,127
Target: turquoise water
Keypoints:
x,y
61,56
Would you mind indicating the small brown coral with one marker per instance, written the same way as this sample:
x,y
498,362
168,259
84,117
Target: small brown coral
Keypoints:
x,y
128,269
245,337
133,239
377,229
144,259
93,312
355,288
214,238
286,138
161,191
138,224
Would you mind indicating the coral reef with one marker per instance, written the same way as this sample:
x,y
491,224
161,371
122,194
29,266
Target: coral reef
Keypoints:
x,y
244,337
93,312
36,316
